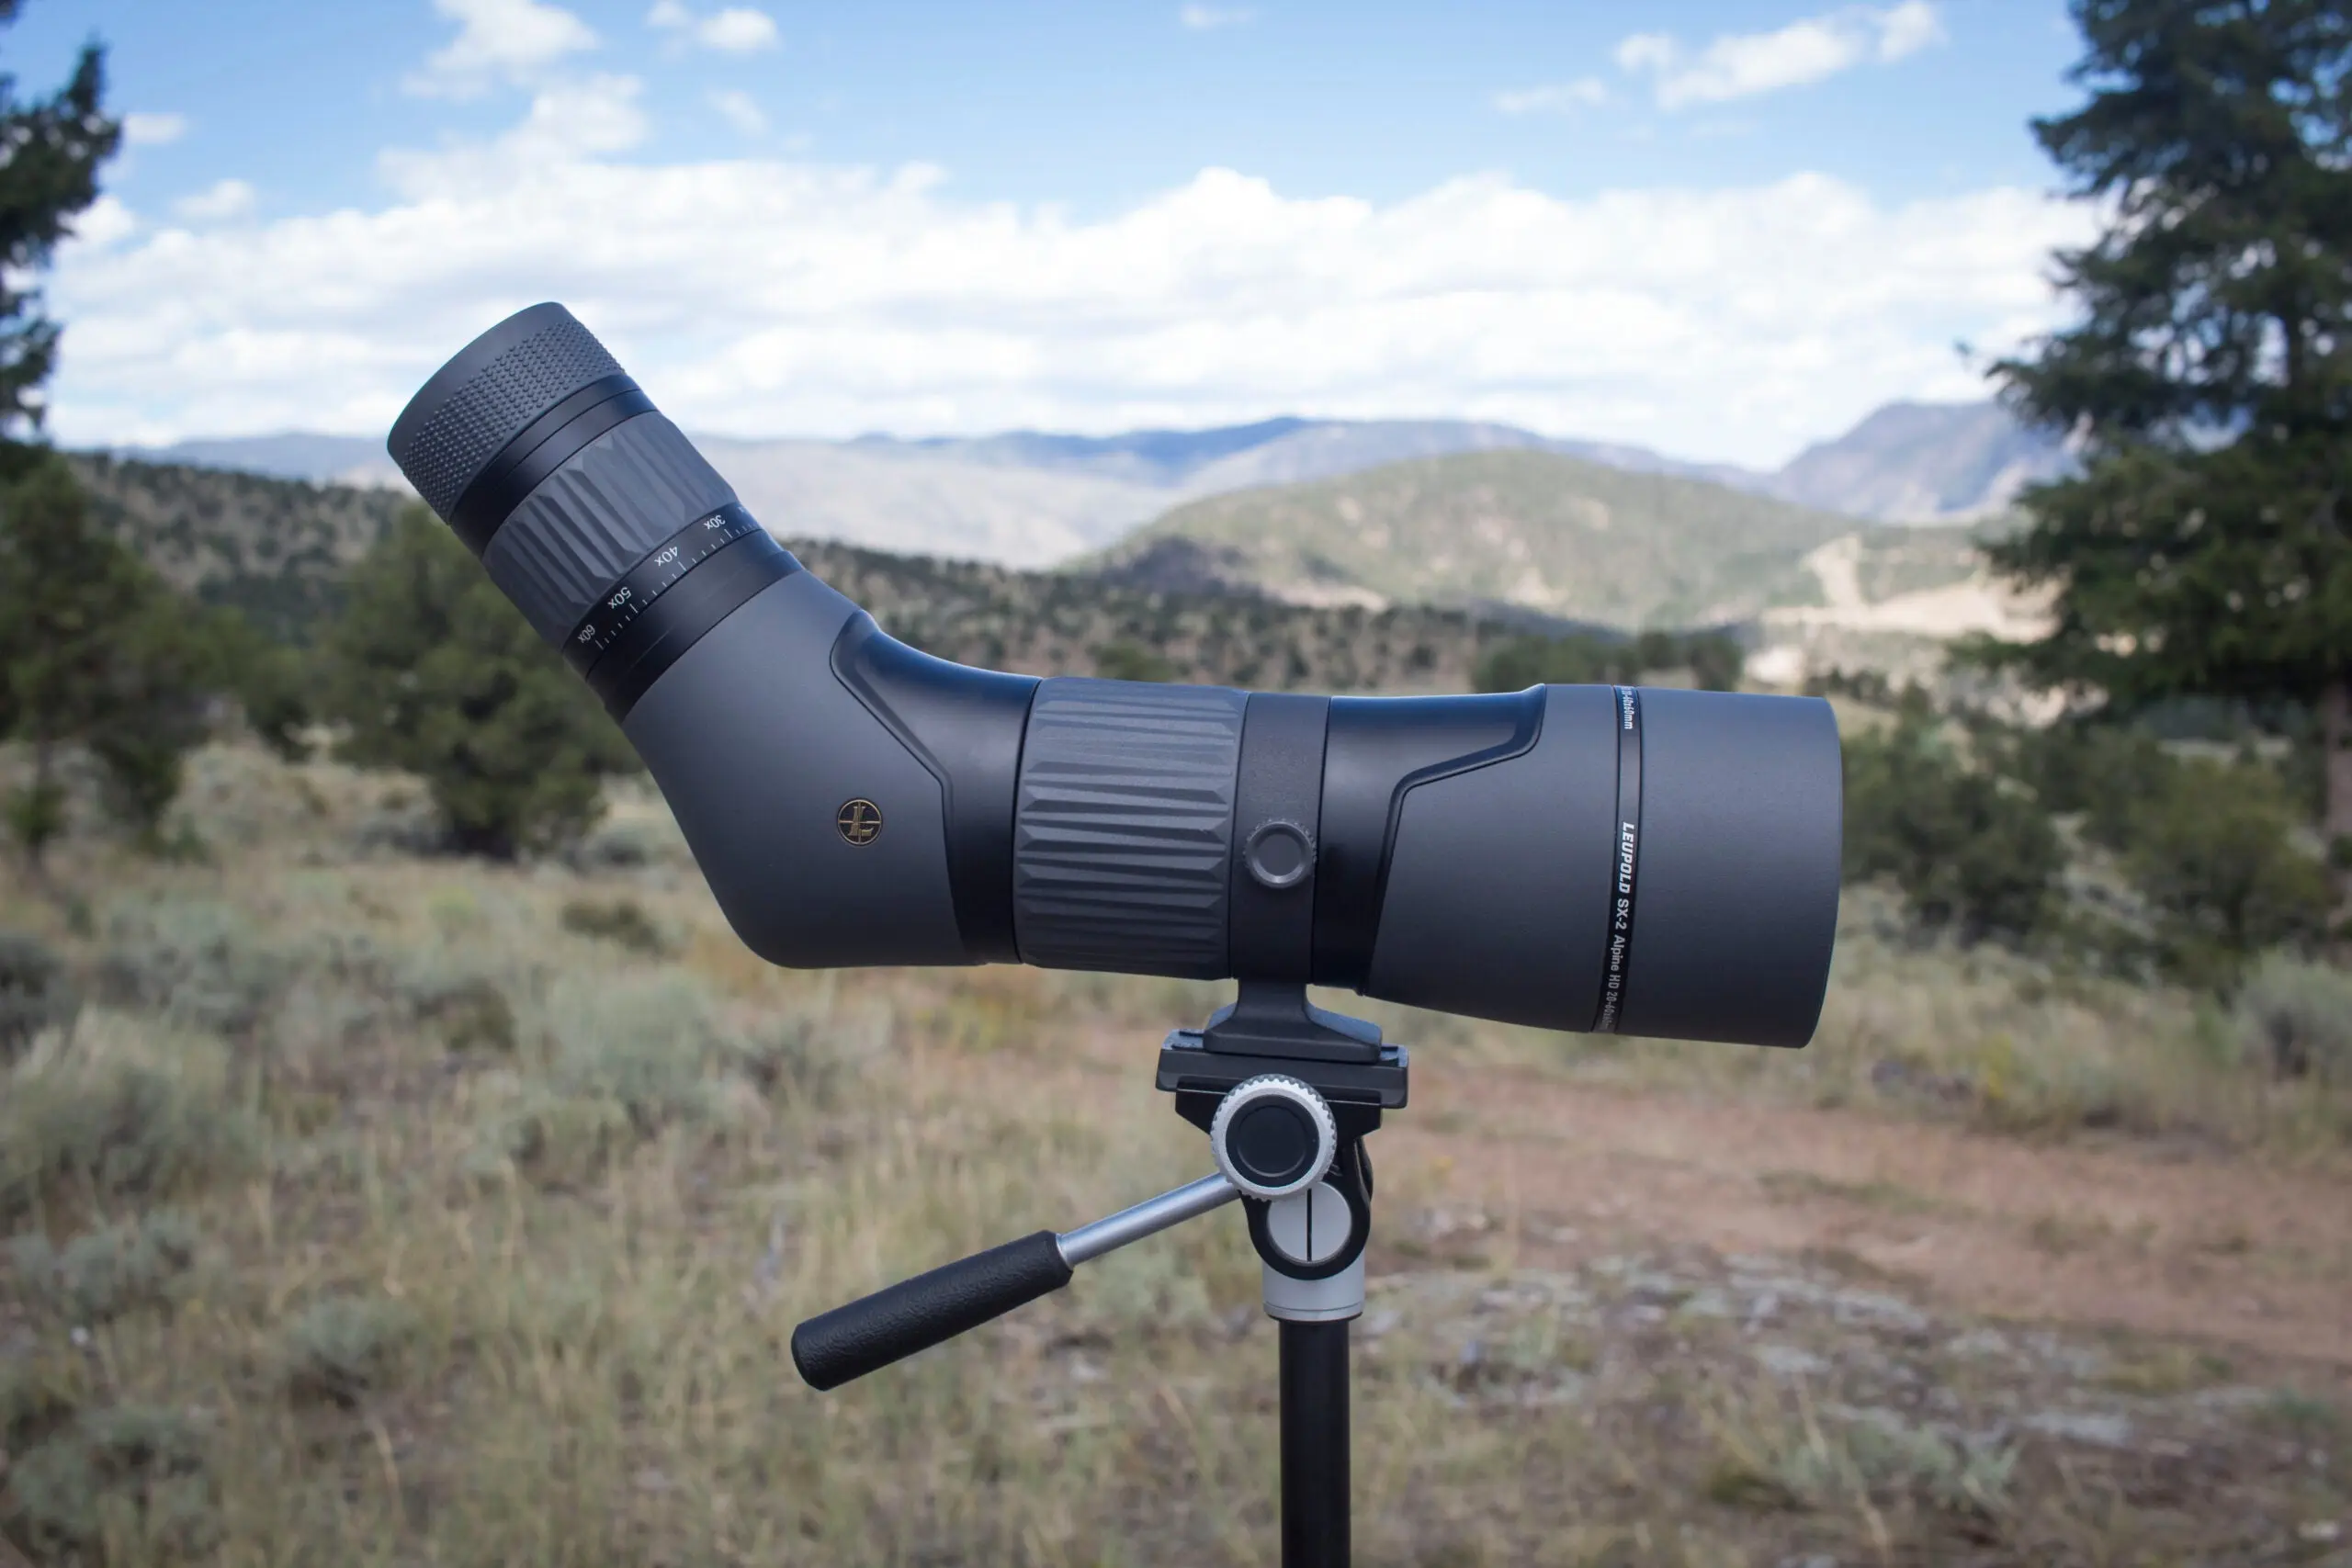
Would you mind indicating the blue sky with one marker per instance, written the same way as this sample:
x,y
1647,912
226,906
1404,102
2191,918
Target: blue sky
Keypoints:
x,y
1722,230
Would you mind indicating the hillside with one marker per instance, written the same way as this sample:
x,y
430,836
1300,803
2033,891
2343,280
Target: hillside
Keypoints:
x,y
277,549
1030,498
1063,622
1816,591
886,496
1529,530
272,548
1923,463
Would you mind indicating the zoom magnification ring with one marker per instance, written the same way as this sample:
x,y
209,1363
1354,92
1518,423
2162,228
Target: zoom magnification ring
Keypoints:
x,y
662,605
629,599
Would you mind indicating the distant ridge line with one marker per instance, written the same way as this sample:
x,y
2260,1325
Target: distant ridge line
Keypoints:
x,y
1032,498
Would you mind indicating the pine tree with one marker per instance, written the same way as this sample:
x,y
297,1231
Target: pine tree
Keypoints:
x,y
2203,547
434,673
96,652
49,154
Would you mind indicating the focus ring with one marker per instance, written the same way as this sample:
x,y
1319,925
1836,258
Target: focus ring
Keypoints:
x,y
1123,827
616,502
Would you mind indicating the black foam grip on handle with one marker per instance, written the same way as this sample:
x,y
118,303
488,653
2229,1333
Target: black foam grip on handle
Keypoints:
x,y
914,1315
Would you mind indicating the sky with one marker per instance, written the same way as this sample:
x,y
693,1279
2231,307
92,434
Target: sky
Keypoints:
x,y
1719,229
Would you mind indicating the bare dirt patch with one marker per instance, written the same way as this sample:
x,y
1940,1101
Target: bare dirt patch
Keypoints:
x,y
2163,1239
2166,1240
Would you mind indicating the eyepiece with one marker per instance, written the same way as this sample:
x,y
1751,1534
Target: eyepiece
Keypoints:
x,y
491,392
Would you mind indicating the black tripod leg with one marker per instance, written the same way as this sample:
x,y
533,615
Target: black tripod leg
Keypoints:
x,y
1314,1444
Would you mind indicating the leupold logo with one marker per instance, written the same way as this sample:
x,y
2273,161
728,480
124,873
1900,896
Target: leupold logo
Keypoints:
x,y
860,820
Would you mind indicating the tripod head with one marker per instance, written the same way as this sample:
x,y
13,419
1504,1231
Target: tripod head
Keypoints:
x,y
1286,1132
1287,1093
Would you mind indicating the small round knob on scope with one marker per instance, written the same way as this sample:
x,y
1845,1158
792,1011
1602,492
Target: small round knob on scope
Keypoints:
x,y
1278,855
1273,1136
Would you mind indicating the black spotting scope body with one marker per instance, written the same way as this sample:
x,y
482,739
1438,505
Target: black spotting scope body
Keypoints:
x,y
1648,861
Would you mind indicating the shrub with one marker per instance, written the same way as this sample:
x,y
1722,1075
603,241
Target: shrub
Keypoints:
x,y
625,843
454,994
35,993
107,1273
133,1474
2096,770
1126,660
97,652
38,1400
788,1054
2212,849
433,672
556,1139
470,1014
632,1058
401,822
197,962
648,1046
1971,851
2294,1018
622,922
1713,660
340,1347
111,1125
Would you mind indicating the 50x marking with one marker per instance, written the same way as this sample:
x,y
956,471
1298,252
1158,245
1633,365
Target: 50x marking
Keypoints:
x,y
650,578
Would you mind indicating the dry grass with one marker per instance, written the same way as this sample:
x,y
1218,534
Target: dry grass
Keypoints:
x,y
1983,1036
488,1228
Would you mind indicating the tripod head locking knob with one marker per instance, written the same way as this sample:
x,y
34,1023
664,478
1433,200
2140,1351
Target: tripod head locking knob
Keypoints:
x,y
1274,1135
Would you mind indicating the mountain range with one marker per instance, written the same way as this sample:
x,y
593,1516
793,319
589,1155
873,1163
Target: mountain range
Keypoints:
x,y
279,551
1393,577
1029,499
1527,531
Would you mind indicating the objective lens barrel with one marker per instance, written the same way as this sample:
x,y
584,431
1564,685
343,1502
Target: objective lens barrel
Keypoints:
x,y
1644,861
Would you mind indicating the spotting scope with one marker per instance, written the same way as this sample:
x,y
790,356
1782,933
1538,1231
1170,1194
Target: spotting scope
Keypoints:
x,y
1639,860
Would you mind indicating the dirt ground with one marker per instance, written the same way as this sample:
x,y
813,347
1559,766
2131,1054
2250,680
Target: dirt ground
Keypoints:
x,y
2172,1240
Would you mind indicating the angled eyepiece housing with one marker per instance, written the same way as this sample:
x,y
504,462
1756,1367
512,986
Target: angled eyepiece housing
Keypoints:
x,y
1644,861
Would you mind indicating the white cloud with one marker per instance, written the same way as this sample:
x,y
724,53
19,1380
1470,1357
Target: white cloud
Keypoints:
x,y
1555,98
1647,51
511,40
153,130
767,297
218,203
737,29
102,223
1207,18
566,122
1737,66
739,110
1908,29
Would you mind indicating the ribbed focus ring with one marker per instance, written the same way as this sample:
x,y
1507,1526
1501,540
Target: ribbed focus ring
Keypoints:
x,y
1122,829
618,498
